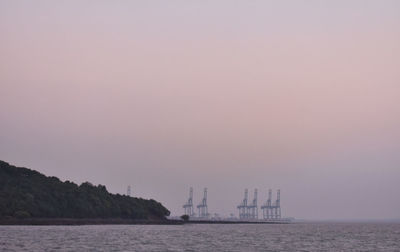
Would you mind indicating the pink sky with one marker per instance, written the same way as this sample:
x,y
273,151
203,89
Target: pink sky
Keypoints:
x,y
297,95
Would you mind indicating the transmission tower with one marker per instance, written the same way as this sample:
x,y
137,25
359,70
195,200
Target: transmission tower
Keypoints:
x,y
128,190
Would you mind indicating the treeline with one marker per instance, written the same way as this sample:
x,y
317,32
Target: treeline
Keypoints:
x,y
28,193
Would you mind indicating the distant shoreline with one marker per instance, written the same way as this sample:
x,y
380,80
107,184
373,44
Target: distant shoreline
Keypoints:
x,y
234,222
78,222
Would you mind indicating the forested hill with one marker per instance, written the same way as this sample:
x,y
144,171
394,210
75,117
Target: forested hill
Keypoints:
x,y
28,193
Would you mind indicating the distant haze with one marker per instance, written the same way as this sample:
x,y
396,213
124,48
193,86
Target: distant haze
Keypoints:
x,y
163,95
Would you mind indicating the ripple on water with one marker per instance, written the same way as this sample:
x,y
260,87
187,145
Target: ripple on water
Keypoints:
x,y
205,237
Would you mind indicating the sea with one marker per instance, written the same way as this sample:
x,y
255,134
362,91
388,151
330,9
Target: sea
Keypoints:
x,y
204,237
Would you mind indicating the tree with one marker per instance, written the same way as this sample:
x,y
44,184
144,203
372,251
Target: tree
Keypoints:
x,y
26,193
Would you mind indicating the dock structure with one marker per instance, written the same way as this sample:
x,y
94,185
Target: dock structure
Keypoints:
x,y
272,211
243,207
202,207
253,208
188,206
267,207
277,206
248,211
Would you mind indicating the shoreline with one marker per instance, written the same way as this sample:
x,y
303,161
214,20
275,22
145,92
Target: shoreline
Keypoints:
x,y
80,222
234,222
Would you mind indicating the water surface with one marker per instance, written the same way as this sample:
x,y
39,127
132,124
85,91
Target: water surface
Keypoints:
x,y
204,237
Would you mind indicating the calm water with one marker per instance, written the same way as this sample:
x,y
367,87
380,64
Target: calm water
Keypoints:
x,y
243,237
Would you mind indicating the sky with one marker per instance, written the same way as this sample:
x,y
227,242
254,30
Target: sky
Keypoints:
x,y
302,96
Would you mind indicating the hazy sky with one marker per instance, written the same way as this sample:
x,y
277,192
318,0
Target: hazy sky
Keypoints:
x,y
163,95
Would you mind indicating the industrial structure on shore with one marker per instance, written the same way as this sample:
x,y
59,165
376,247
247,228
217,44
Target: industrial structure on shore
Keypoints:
x,y
248,211
272,211
188,206
201,207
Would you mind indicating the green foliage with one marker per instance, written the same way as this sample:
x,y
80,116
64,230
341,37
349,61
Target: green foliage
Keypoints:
x,y
25,193
185,217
